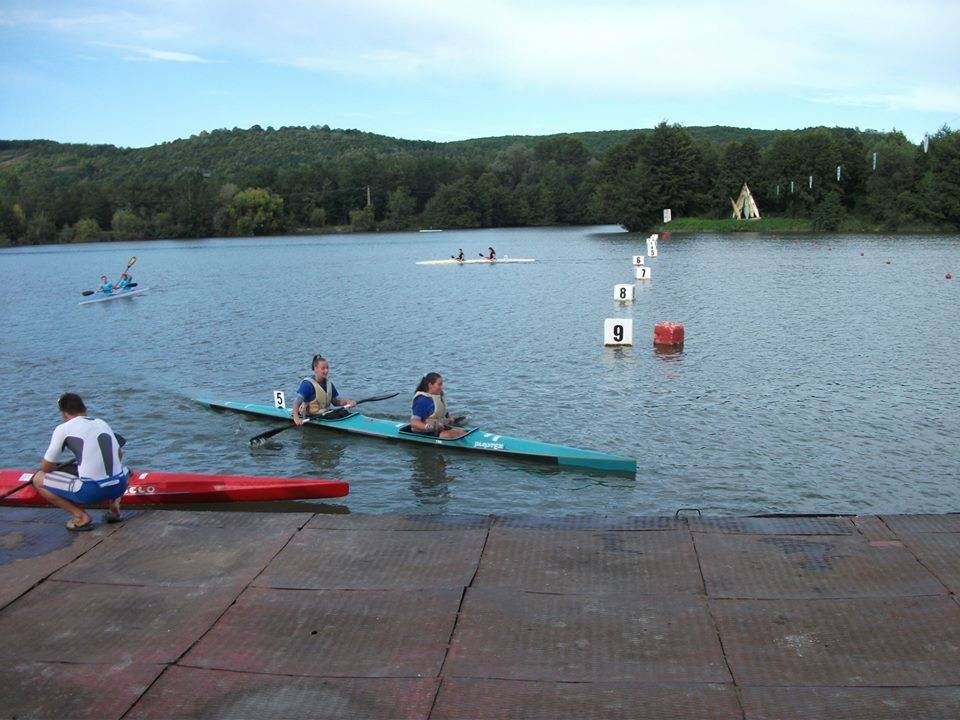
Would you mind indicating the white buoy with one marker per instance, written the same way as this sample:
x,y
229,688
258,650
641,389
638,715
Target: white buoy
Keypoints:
x,y
623,293
651,247
279,401
618,331
642,273
667,215
637,260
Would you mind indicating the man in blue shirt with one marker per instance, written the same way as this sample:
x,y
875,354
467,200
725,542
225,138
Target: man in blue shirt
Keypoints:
x,y
318,393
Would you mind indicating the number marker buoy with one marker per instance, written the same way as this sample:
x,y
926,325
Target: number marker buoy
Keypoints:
x,y
642,272
623,293
618,331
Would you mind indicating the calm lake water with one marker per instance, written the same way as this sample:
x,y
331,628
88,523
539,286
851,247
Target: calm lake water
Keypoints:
x,y
816,377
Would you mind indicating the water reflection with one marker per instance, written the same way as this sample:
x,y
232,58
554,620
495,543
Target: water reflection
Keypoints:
x,y
429,480
322,451
667,353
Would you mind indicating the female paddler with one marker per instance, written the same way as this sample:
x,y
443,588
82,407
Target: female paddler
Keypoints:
x,y
318,393
429,414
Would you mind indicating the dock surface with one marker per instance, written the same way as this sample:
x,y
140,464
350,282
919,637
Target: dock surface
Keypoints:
x,y
186,614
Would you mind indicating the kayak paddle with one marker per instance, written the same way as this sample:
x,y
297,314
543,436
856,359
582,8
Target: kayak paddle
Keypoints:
x,y
256,439
130,263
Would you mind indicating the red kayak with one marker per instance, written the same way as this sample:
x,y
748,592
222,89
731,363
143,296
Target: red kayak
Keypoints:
x,y
161,488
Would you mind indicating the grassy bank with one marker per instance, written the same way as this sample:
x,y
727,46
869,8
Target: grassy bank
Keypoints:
x,y
729,225
774,225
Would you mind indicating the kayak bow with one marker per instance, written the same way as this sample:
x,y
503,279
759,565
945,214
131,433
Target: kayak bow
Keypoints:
x,y
160,488
475,439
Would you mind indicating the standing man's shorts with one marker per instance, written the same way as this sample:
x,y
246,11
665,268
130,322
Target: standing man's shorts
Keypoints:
x,y
83,491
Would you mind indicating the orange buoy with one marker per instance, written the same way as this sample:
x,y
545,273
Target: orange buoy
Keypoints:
x,y
668,334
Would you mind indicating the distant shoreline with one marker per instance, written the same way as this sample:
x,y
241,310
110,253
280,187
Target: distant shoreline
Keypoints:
x,y
678,225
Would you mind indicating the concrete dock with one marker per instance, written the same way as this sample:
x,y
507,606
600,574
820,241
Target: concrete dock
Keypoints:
x,y
182,614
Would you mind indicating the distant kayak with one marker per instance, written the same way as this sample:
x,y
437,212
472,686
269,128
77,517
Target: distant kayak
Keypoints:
x,y
115,295
476,261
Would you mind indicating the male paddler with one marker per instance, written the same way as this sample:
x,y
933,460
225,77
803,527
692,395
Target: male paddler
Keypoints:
x,y
317,393
99,473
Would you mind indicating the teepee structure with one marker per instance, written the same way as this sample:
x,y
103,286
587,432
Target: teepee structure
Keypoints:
x,y
745,207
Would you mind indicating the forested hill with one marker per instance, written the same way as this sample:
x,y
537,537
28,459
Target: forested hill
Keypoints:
x,y
267,181
224,151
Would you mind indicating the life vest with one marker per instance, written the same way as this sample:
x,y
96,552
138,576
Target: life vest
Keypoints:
x,y
323,398
439,406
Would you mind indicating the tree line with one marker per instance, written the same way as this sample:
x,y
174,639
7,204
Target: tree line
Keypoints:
x,y
266,182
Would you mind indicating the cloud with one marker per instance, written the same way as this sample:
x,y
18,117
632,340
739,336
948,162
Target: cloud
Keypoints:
x,y
608,48
164,55
923,98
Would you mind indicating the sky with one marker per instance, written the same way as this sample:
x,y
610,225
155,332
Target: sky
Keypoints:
x,y
141,72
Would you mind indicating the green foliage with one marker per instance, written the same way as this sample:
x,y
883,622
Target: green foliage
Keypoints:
x,y
262,181
401,209
828,215
40,229
945,175
362,220
86,229
256,211
126,225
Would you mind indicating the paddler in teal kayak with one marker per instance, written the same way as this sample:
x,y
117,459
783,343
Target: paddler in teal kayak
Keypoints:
x,y
318,393
429,415
126,279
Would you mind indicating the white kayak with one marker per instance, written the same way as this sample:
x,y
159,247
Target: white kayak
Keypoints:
x,y
475,261
115,295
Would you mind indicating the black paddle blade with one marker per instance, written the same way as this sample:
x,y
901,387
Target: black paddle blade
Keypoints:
x,y
257,439
88,292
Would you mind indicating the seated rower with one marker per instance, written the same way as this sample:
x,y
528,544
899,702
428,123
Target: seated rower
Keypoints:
x,y
459,256
429,414
318,393
491,254
106,287
125,281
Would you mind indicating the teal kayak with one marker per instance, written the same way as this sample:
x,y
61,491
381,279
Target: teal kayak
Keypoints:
x,y
475,439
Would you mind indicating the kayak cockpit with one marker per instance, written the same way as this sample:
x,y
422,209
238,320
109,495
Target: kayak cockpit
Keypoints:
x,y
406,430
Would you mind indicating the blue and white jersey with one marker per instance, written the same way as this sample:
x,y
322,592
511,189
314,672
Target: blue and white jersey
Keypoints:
x,y
92,443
